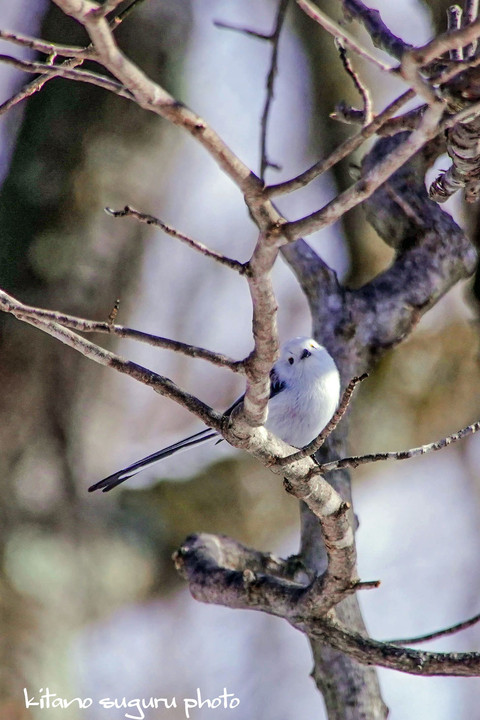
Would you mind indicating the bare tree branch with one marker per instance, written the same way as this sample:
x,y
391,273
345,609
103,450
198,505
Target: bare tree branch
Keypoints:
x,y
274,40
334,29
82,325
357,460
470,15
414,662
219,570
454,22
195,244
159,383
223,572
63,71
45,47
462,146
367,112
380,34
37,84
243,30
371,180
343,150
437,633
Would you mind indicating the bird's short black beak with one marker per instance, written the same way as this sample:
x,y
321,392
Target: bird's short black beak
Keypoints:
x,y
306,353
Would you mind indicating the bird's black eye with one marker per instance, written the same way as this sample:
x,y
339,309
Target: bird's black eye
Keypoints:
x,y
291,360
306,353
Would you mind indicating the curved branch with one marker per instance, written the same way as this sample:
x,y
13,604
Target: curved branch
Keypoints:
x,y
67,71
342,151
45,47
373,652
159,383
372,179
433,253
81,325
151,96
222,571
379,33
334,29
357,460
142,217
458,627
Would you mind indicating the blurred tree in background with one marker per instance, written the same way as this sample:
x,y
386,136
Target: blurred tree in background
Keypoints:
x,y
89,597
57,249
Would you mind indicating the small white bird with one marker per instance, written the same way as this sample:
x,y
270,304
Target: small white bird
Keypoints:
x,y
304,394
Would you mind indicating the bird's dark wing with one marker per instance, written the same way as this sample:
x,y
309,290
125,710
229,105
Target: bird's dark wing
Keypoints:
x,y
276,385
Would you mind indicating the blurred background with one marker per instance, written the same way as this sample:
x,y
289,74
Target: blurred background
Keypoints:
x,y
90,603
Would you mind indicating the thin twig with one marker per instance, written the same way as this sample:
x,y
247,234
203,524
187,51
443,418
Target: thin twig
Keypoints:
x,y
274,39
36,85
243,30
159,383
416,662
200,247
438,633
362,89
317,443
347,114
87,326
367,584
343,150
45,47
372,179
113,313
20,310
123,14
67,72
471,11
357,460
334,29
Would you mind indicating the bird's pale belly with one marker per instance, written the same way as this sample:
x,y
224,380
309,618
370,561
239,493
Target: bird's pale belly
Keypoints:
x,y
307,416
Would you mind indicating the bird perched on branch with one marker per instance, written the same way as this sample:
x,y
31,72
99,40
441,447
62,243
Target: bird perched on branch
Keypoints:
x,y
304,394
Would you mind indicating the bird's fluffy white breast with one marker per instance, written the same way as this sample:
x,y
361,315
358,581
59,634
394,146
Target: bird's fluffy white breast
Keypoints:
x,y
310,404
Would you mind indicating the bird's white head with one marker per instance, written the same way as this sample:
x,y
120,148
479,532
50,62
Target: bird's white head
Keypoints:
x,y
303,357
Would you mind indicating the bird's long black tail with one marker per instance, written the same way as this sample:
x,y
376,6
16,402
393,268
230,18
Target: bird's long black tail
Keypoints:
x,y
117,478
